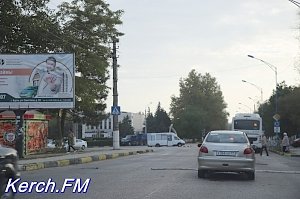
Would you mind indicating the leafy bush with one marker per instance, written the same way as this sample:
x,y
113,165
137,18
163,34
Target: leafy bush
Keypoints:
x,y
100,142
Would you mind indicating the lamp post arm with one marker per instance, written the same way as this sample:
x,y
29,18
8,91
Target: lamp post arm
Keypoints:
x,y
259,88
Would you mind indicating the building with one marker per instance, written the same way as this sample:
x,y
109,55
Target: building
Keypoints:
x,y
105,128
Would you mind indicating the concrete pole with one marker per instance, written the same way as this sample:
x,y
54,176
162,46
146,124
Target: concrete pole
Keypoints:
x,y
116,140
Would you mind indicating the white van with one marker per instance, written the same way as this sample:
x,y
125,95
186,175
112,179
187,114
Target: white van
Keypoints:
x,y
164,139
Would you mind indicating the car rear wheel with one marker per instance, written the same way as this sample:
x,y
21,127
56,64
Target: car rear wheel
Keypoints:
x,y
157,145
251,175
201,173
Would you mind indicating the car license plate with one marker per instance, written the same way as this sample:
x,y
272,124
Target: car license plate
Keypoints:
x,y
225,153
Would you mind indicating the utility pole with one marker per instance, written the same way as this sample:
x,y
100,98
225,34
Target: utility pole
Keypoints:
x,y
116,141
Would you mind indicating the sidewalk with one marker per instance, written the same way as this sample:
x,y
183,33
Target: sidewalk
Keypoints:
x,y
294,152
41,161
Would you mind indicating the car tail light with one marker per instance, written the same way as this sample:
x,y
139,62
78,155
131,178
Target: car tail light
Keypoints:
x,y
248,151
203,149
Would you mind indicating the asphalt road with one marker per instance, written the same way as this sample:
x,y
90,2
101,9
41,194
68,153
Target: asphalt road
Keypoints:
x,y
171,173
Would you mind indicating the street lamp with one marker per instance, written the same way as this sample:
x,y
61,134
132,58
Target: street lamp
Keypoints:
x,y
246,106
274,68
253,102
259,88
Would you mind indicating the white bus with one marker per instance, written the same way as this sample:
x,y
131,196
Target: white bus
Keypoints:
x,y
251,124
164,139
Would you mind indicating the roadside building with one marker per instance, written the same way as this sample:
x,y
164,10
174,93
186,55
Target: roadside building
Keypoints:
x,y
105,127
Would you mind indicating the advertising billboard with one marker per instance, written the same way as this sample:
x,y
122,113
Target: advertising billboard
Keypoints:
x,y
37,81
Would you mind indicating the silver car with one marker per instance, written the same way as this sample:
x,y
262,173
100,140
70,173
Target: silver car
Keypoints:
x,y
226,151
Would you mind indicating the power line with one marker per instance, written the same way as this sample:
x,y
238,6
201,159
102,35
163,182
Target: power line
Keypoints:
x,y
295,2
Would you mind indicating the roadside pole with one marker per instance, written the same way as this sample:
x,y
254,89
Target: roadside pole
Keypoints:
x,y
115,109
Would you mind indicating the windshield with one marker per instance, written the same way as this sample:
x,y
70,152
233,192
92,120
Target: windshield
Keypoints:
x,y
226,138
246,124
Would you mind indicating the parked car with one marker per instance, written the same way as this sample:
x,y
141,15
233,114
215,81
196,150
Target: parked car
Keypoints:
x,y
296,142
134,140
8,169
29,92
226,151
79,144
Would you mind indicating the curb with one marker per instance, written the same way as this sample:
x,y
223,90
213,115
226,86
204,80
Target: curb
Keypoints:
x,y
80,160
285,154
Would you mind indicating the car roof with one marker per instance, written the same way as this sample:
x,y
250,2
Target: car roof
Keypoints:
x,y
227,131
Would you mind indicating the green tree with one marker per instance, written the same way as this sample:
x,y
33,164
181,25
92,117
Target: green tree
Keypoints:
x,y
28,26
159,122
150,123
288,109
125,127
200,106
162,120
88,28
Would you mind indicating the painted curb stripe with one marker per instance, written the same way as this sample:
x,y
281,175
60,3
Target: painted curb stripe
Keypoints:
x,y
62,163
82,160
33,166
86,159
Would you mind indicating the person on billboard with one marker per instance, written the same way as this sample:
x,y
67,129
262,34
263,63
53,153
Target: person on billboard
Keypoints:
x,y
51,79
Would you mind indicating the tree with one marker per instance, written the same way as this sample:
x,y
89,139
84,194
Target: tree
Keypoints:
x,y
88,27
158,123
28,26
125,127
150,123
288,109
200,106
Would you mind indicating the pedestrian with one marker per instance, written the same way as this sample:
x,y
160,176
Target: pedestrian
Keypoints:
x,y
285,143
264,144
20,141
71,140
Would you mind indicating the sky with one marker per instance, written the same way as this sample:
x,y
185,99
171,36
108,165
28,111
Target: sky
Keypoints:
x,y
165,39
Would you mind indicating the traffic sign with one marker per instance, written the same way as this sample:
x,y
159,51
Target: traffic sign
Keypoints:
x,y
115,110
276,117
276,127
276,124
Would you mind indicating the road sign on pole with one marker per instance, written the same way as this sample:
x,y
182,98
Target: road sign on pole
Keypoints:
x,y
116,110
276,117
276,127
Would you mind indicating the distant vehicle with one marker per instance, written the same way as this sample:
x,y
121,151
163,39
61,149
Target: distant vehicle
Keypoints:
x,y
8,169
79,144
29,92
127,140
251,124
164,139
296,142
134,140
226,151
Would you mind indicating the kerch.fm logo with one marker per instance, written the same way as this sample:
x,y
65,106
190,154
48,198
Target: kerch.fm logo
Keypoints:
x,y
2,62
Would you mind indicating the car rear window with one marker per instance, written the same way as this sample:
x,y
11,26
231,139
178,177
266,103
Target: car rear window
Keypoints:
x,y
226,138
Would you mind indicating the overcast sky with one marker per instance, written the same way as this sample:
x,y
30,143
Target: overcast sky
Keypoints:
x,y
165,39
